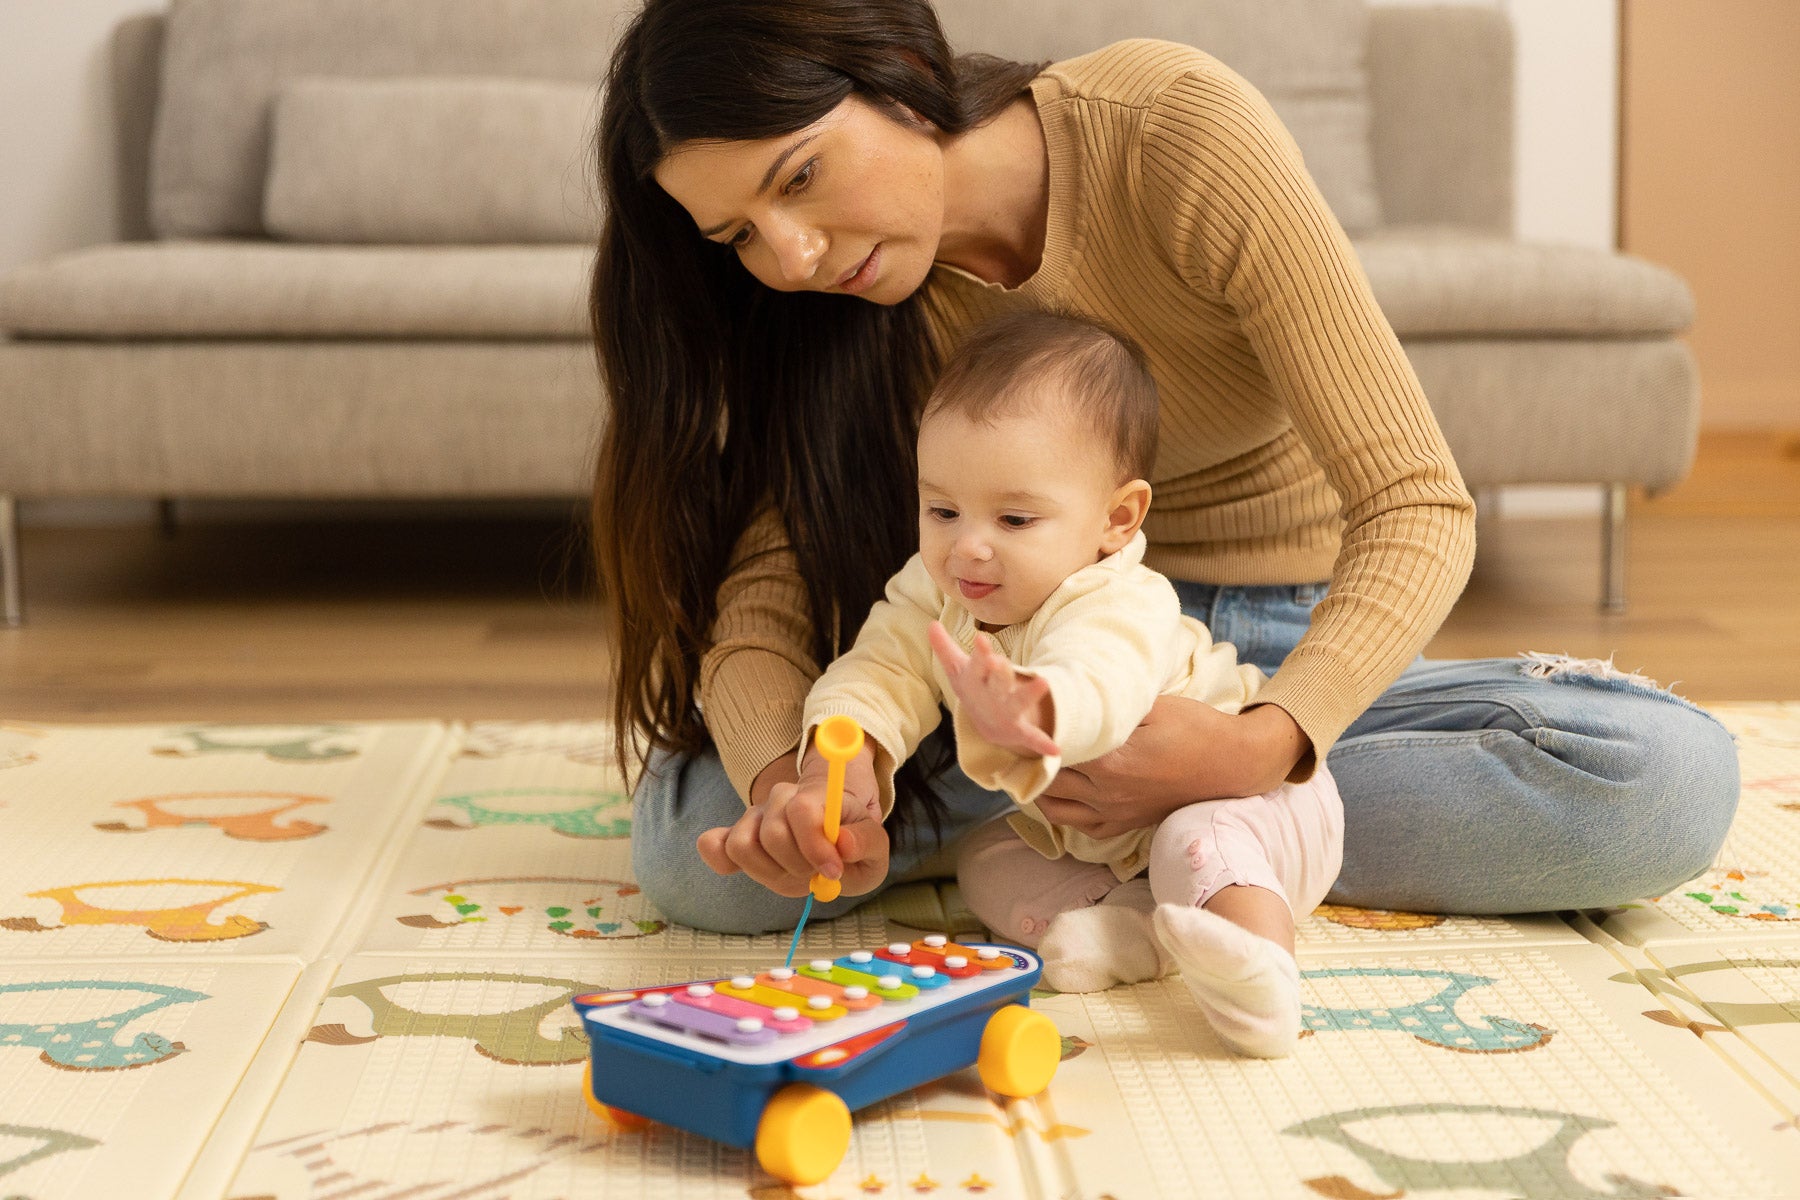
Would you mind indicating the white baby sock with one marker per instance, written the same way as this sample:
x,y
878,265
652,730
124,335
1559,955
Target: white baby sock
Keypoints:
x,y
1091,949
1247,986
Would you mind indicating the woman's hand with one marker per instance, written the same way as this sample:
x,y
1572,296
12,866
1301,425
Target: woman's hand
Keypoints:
x,y
1009,710
780,841
1183,751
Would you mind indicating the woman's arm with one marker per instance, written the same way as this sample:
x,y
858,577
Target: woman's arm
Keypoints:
x,y
756,673
1183,751
1246,225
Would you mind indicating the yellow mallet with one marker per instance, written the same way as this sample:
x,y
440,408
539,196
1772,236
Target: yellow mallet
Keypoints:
x,y
838,740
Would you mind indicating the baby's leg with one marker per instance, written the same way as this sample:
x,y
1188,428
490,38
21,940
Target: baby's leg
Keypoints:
x,y
1228,877
1090,930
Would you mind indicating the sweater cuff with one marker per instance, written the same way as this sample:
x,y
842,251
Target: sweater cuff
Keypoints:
x,y
1319,700
756,720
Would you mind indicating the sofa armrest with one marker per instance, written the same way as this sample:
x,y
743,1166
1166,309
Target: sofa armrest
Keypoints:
x,y
1441,121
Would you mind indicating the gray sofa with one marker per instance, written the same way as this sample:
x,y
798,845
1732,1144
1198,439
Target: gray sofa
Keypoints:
x,y
358,235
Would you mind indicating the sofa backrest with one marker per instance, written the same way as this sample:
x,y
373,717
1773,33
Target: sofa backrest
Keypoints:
x,y
224,62
1441,123
1438,83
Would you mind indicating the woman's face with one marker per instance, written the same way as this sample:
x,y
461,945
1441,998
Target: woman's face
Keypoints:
x,y
853,203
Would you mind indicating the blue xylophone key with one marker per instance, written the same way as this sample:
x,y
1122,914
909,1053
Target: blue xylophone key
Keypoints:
x,y
924,977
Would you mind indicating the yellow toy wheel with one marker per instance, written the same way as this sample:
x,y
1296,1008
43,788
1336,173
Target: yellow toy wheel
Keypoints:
x,y
803,1134
1019,1051
629,1122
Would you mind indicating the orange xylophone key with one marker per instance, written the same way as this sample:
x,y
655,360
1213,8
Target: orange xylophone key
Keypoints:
x,y
985,957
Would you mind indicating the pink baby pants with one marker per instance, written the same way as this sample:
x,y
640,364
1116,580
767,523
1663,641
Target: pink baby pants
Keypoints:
x,y
1290,841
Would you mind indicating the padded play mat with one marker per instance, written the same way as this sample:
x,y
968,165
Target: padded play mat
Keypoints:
x,y
334,961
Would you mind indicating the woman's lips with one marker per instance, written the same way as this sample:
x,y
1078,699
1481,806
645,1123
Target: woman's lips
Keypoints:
x,y
864,275
974,591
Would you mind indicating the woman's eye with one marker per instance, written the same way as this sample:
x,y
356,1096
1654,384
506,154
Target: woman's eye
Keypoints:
x,y
1016,522
801,178
742,237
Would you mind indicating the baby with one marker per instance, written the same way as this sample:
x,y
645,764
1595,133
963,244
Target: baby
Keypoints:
x,y
1029,614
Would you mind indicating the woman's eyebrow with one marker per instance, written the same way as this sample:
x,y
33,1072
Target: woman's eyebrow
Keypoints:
x,y
768,178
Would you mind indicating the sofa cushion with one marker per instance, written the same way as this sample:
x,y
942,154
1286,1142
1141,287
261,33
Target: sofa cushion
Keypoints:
x,y
1446,283
431,160
1305,56
224,61
261,289
1430,283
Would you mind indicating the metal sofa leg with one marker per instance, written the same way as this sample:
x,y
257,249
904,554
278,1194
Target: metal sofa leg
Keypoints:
x,y
1612,549
12,589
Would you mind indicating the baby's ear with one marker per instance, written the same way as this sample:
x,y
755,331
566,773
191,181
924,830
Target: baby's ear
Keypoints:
x,y
1130,505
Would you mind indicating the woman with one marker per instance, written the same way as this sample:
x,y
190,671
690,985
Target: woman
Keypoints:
x,y
808,201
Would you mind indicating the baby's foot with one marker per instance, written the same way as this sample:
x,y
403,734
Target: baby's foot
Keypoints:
x,y
1092,949
1248,987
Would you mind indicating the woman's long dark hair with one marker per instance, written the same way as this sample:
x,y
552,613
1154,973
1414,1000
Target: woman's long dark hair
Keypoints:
x,y
725,394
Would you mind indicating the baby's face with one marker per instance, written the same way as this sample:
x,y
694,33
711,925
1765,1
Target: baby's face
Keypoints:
x,y
1011,508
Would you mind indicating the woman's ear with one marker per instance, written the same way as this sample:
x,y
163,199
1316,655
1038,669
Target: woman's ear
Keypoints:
x,y
1130,505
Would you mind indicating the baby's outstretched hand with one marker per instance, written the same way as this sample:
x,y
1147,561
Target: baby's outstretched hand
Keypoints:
x,y
1005,707
781,842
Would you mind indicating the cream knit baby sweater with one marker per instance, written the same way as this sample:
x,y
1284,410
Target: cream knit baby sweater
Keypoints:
x,y
1110,639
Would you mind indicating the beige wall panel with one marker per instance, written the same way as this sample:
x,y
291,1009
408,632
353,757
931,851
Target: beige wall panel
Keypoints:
x,y
1710,185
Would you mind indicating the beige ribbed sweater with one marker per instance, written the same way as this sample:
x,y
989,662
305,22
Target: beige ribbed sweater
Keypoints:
x,y
1296,444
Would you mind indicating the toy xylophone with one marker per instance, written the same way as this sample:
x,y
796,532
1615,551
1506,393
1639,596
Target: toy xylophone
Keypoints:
x,y
778,1060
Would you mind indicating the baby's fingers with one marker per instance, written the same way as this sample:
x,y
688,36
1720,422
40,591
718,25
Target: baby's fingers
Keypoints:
x,y
1038,741
944,646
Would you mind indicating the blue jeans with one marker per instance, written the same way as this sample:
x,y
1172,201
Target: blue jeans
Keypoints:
x,y
1468,787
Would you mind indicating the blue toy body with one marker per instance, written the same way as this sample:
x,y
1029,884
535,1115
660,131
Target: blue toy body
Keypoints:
x,y
709,1056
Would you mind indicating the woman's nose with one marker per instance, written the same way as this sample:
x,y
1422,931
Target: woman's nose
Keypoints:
x,y
797,252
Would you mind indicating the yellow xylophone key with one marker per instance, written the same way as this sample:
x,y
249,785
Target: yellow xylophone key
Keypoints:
x,y
770,997
856,999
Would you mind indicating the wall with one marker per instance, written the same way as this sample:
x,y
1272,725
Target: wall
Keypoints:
x,y
1711,184
57,177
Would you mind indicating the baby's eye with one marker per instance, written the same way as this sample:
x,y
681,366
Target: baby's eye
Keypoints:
x,y
802,178
1014,521
940,513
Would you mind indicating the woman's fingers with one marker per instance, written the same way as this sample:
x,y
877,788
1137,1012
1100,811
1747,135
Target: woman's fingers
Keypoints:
x,y
711,845
745,845
1071,786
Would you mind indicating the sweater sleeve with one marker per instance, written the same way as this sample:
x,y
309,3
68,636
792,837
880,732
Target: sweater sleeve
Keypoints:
x,y
755,673
885,680
1243,220
1106,653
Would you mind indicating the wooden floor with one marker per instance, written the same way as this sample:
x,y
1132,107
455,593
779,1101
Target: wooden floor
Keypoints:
x,y
495,618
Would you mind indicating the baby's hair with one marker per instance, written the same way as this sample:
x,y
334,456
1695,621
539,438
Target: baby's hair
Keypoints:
x,y
1103,374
